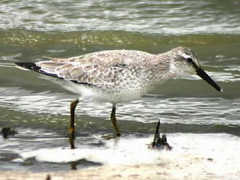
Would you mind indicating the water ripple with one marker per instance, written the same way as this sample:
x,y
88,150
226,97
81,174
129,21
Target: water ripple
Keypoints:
x,y
185,110
165,17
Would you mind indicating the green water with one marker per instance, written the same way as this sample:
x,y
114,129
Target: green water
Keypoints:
x,y
39,109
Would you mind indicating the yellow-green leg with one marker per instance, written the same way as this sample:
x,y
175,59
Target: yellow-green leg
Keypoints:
x,y
114,120
71,129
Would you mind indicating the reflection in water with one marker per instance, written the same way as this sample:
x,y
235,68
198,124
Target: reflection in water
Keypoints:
x,y
73,165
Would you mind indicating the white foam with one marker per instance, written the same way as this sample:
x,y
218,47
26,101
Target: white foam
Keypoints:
x,y
213,154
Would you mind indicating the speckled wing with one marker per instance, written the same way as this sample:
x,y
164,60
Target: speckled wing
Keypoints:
x,y
95,68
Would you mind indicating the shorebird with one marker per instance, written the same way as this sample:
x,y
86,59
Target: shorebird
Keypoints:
x,y
117,76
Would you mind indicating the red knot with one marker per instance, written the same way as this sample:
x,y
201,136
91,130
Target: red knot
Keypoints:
x,y
117,76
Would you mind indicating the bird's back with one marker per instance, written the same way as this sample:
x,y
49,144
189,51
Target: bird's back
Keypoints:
x,y
120,73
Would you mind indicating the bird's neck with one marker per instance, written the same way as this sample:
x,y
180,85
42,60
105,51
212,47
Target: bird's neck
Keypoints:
x,y
160,69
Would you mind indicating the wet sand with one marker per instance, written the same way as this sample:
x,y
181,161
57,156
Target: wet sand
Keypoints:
x,y
143,171
118,172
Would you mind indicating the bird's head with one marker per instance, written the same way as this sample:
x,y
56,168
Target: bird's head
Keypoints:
x,y
185,61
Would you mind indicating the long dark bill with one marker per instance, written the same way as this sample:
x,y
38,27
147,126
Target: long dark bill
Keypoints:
x,y
204,75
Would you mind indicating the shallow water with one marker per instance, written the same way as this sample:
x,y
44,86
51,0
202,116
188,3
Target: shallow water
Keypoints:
x,y
39,109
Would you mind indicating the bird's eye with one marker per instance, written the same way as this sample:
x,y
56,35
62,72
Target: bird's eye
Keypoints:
x,y
189,60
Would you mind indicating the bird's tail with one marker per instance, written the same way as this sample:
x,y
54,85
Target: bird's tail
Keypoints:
x,y
27,66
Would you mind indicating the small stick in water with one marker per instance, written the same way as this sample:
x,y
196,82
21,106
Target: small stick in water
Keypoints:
x,y
160,142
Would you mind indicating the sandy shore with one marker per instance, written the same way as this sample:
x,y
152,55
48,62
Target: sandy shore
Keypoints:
x,y
101,173
135,172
